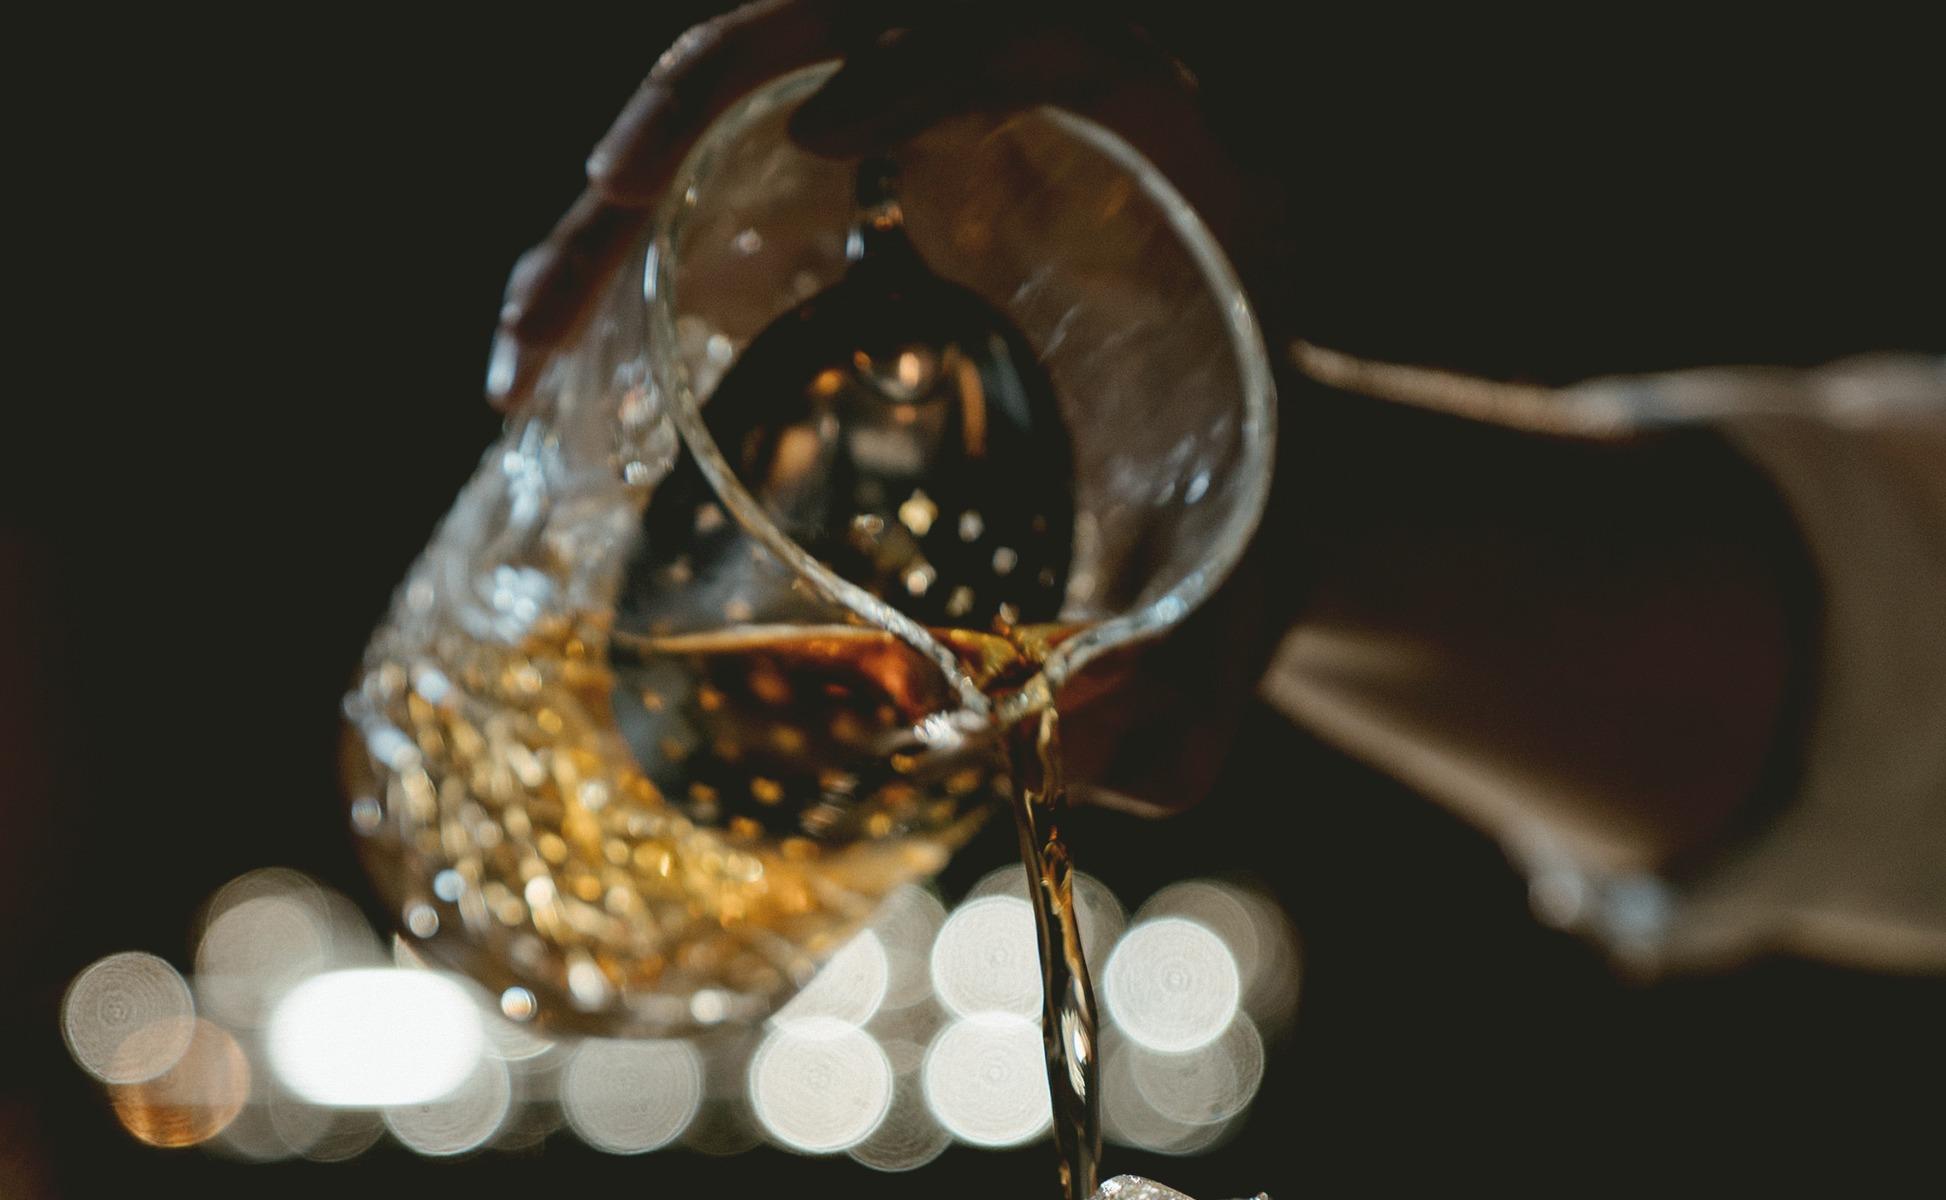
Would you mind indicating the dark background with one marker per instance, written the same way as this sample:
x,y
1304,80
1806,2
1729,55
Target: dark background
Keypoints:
x,y
256,272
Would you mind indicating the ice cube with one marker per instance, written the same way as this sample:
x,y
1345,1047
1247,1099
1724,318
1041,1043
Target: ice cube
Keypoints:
x,y
1131,1187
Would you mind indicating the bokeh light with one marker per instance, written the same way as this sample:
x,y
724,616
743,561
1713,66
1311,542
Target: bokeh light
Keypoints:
x,y
909,1137
535,1113
820,1086
849,988
463,1119
1097,910
906,923
1257,932
922,1030
128,1018
1172,984
1204,1086
256,947
987,958
375,1037
986,1080
324,1134
254,1136
1129,1119
507,1039
252,885
627,1097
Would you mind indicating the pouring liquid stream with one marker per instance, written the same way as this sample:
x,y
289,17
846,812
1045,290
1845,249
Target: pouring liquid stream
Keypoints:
x,y
902,432
1068,1022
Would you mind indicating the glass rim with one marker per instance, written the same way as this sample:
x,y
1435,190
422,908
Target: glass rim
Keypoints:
x,y
1257,428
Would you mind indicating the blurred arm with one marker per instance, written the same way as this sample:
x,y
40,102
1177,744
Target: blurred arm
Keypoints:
x,y
1681,672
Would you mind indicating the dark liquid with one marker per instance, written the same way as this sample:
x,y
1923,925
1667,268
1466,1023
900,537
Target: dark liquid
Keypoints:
x,y
901,431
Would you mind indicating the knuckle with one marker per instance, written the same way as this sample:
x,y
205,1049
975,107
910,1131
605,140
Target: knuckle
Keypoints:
x,y
697,51
699,42
631,138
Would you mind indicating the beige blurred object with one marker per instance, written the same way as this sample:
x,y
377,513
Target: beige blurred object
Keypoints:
x,y
1134,1187
1853,869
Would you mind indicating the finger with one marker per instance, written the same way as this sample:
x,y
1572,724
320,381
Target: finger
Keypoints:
x,y
708,69
552,286
1112,74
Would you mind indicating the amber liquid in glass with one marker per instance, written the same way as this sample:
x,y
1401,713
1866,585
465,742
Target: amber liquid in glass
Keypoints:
x,y
808,729
666,816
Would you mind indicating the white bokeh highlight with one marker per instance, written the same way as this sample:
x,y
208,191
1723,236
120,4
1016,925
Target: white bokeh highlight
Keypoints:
x,y
1129,1119
256,948
114,1000
375,1037
819,1085
1171,985
906,924
849,988
1204,1086
987,959
985,1080
920,1031
628,1097
1098,911
908,1138
464,1119
1258,933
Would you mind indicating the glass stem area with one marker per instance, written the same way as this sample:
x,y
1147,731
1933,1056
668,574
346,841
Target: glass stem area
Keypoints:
x,y
1068,993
